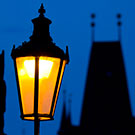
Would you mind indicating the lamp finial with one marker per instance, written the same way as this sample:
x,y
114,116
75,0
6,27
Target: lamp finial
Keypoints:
x,y
41,10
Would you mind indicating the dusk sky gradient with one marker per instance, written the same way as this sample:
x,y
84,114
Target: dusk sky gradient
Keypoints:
x,y
70,26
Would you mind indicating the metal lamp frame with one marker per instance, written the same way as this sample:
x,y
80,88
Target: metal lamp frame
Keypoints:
x,y
40,44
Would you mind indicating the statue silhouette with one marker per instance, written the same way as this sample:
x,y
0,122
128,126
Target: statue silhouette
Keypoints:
x,y
2,94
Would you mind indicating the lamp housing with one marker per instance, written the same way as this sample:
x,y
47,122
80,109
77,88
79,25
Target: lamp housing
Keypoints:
x,y
39,67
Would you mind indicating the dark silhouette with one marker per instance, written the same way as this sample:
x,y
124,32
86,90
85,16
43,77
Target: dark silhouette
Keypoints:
x,y
66,125
2,94
106,107
23,131
63,125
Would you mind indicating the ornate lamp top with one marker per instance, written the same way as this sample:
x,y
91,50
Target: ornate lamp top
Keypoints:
x,y
40,43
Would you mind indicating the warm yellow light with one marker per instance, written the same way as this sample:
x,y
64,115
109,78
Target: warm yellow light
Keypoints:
x,y
48,75
26,85
45,67
29,68
47,87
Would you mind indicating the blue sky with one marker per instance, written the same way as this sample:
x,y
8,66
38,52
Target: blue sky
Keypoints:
x,y
70,26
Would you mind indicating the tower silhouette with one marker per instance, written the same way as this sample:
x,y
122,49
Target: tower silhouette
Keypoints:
x,y
106,107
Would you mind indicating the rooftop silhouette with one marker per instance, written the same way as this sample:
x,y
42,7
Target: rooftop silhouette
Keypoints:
x,y
2,94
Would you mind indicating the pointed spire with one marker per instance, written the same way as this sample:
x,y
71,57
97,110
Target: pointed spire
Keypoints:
x,y
64,119
23,131
119,23
69,112
41,10
93,26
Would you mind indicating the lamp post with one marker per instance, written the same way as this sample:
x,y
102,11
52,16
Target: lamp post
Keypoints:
x,y
39,66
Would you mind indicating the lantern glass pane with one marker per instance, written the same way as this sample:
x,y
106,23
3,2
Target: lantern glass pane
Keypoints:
x,y
26,73
48,72
62,71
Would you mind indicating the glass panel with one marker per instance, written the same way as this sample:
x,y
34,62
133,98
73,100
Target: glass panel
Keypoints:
x,y
26,73
62,71
48,71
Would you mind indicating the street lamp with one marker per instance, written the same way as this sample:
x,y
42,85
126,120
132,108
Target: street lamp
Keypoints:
x,y
39,66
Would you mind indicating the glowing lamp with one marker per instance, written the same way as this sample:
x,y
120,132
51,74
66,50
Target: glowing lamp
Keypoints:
x,y
39,66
